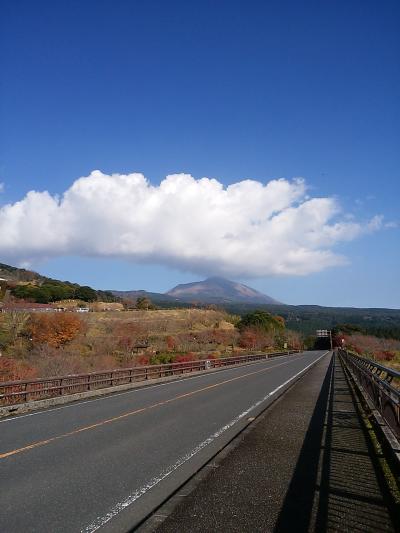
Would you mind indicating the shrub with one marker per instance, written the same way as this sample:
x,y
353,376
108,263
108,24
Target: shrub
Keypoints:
x,y
385,355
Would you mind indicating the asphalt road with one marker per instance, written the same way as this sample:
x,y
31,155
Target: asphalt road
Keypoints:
x,y
104,464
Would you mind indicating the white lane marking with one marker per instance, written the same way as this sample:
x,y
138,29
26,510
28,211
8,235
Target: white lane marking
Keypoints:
x,y
142,389
114,511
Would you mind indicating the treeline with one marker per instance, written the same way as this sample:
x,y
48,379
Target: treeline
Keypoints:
x,y
306,319
382,332
53,290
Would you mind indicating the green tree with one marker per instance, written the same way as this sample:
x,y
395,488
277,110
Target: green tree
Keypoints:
x,y
262,320
87,294
144,303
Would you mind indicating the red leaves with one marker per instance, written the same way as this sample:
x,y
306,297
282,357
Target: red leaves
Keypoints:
x,y
143,360
190,356
385,355
12,370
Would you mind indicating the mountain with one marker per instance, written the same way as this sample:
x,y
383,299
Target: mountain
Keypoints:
x,y
219,290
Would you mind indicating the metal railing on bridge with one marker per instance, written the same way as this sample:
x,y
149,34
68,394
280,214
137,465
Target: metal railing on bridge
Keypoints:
x,y
17,392
382,385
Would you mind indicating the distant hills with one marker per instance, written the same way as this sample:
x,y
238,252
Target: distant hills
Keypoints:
x,y
214,290
232,296
240,299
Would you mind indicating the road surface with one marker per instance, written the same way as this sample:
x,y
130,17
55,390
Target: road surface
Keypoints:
x,y
104,464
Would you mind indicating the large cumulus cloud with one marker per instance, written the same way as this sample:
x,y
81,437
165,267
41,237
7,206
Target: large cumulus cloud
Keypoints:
x,y
246,229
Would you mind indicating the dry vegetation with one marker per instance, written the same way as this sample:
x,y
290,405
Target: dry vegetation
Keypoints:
x,y
48,344
385,351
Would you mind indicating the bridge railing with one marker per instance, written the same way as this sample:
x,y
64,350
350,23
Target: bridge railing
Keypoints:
x,y
17,392
382,384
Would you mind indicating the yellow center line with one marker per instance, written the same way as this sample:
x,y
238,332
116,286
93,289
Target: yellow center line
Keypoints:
x,y
132,413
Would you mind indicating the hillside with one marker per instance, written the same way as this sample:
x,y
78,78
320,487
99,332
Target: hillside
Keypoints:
x,y
11,273
22,284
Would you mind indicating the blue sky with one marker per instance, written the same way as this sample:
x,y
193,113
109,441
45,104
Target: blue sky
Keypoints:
x,y
228,90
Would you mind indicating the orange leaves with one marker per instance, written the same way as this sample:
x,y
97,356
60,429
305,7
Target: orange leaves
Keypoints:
x,y
171,343
280,320
254,338
54,329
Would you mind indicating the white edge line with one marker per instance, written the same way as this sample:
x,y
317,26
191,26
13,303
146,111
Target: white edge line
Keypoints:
x,y
116,394
114,511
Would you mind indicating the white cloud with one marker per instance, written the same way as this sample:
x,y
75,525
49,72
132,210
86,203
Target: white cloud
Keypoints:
x,y
246,229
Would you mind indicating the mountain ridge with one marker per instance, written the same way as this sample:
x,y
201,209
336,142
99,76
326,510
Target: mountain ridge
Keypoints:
x,y
219,290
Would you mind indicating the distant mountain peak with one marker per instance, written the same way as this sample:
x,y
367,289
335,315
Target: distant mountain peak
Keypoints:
x,y
216,289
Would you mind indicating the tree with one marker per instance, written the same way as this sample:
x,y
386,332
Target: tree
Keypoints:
x,y
262,320
55,329
85,293
255,338
294,340
12,324
144,303
249,338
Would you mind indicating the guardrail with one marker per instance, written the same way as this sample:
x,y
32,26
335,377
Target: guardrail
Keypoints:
x,y
378,382
17,392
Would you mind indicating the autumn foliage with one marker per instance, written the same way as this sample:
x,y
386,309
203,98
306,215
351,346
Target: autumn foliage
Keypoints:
x,y
185,358
171,343
54,329
12,370
383,350
60,343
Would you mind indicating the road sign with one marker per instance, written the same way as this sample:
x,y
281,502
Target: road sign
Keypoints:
x,y
322,333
